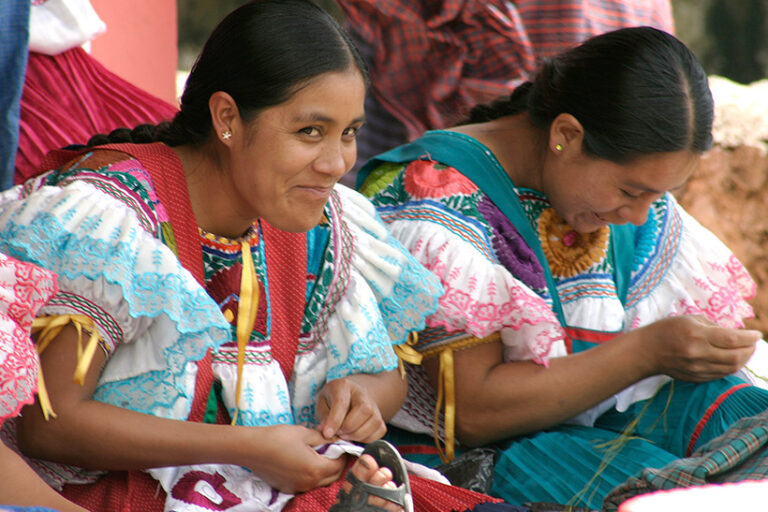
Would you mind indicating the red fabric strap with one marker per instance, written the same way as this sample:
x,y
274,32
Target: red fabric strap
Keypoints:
x,y
578,333
170,183
708,414
171,186
286,255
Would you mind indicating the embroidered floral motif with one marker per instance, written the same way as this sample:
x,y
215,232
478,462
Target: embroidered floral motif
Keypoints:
x,y
24,288
511,306
425,179
570,253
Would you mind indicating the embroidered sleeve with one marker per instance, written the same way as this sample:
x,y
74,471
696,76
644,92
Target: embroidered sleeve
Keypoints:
x,y
436,213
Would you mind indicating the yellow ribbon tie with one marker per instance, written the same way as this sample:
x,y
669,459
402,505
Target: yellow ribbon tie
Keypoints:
x,y
446,389
42,396
49,327
246,316
406,353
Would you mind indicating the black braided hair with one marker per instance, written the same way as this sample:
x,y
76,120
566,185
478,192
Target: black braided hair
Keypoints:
x,y
636,91
260,54
515,103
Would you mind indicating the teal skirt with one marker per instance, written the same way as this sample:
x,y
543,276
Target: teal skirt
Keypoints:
x,y
578,465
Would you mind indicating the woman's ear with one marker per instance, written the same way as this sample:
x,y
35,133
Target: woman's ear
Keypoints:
x,y
224,116
566,134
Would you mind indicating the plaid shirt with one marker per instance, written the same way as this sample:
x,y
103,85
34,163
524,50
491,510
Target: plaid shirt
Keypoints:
x,y
739,454
431,61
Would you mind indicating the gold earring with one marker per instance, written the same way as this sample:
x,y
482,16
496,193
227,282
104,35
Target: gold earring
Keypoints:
x,y
558,147
226,135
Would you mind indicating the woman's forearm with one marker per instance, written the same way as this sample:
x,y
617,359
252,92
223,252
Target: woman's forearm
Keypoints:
x,y
95,435
497,400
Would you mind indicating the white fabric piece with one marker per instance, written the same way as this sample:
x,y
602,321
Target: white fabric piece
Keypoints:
x,y
56,26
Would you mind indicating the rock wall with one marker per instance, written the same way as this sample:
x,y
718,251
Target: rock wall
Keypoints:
x,y
728,193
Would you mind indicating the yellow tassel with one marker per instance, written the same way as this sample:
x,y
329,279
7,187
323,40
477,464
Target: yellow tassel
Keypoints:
x,y
47,329
446,389
42,396
246,316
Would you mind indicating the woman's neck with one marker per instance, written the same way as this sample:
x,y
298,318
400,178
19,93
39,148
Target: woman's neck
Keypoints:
x,y
210,194
517,145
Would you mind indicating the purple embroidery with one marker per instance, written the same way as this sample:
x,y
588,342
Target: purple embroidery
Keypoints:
x,y
184,490
510,248
275,494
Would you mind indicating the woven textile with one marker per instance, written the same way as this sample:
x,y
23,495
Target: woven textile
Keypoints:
x,y
428,496
286,257
68,98
432,60
739,454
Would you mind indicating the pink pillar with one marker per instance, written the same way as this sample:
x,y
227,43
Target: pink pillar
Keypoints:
x,y
140,44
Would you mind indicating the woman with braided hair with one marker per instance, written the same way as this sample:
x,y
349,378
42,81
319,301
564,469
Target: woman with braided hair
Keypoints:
x,y
230,313
590,329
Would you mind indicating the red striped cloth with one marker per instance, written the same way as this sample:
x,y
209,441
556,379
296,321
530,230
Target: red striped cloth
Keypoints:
x,y
432,60
68,98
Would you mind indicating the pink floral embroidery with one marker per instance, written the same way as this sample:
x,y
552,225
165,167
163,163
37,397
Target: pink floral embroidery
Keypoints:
x,y
721,296
24,288
18,371
32,289
460,311
741,278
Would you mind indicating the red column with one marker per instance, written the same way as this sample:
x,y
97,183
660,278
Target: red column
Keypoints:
x,y
140,43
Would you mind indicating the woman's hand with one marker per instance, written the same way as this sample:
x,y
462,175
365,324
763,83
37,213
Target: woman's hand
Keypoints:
x,y
692,348
91,434
287,460
497,399
356,408
348,411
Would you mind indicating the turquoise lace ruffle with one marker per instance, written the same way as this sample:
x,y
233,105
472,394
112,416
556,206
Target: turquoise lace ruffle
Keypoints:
x,y
148,290
406,310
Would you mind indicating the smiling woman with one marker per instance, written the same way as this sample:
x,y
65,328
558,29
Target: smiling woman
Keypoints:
x,y
241,309
311,141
